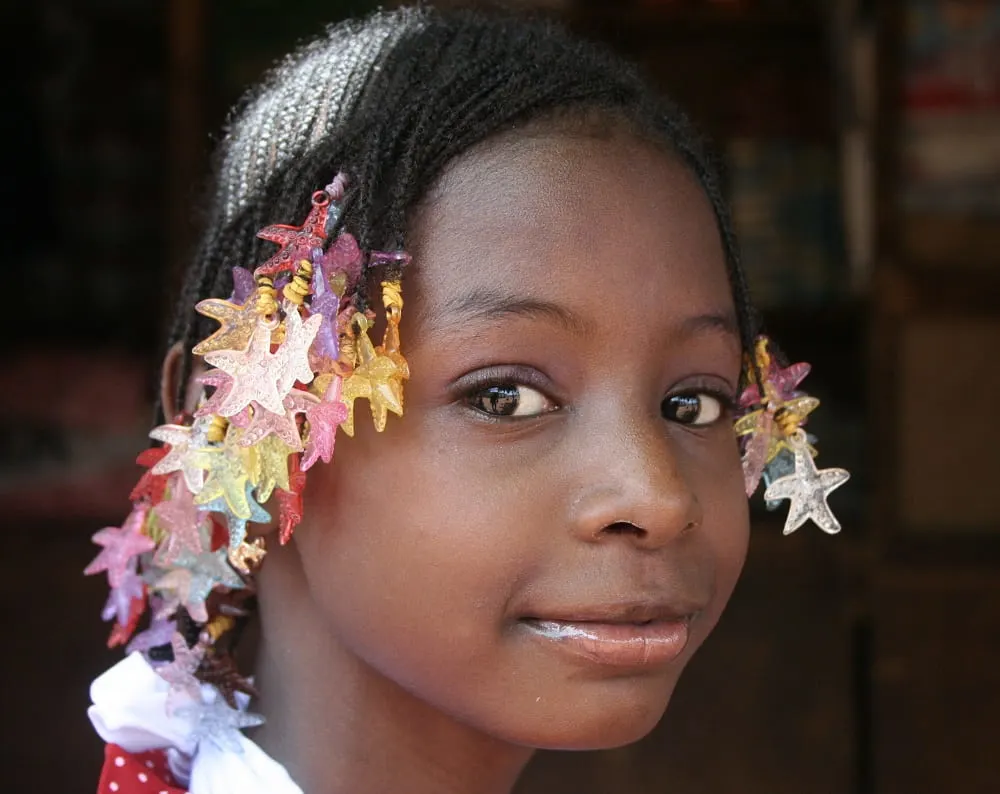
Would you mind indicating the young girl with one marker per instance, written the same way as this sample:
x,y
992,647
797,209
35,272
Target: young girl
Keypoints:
x,y
532,555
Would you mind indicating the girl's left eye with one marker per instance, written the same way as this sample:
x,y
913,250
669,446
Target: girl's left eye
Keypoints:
x,y
694,409
513,400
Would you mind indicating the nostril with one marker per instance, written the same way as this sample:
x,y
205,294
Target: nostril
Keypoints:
x,y
625,528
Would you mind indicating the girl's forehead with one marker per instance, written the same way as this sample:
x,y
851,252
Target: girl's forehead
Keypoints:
x,y
620,218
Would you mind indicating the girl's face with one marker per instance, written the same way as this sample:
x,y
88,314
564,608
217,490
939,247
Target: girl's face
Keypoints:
x,y
539,546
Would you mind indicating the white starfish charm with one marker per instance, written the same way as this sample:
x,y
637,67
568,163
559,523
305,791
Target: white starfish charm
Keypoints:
x,y
255,372
807,489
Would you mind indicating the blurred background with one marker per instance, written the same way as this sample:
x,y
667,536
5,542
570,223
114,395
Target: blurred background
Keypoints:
x,y
862,142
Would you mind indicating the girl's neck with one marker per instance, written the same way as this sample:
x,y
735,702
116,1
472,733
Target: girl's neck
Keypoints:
x,y
340,727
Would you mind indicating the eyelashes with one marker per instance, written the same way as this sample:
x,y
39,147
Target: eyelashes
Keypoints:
x,y
522,393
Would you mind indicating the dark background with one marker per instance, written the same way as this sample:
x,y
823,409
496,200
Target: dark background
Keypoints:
x,y
861,140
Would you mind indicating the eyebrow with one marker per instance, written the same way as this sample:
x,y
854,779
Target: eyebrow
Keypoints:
x,y
490,304
724,322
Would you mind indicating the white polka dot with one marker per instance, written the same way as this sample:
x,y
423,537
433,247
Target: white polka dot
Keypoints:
x,y
119,761
164,792
149,765
113,786
143,777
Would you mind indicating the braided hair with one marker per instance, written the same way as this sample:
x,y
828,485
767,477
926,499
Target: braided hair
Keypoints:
x,y
395,97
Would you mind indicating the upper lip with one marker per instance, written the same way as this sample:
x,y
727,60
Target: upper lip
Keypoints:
x,y
621,612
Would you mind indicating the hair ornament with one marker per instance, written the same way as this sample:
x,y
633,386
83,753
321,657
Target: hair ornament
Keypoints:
x,y
291,355
777,449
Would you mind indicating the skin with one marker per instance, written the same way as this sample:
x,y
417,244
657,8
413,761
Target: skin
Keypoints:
x,y
393,653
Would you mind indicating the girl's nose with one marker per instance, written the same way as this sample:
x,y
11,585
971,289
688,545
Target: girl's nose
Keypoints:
x,y
633,486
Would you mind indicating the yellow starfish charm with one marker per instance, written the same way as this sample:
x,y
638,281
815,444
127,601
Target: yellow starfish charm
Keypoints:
x,y
237,324
377,377
272,467
229,467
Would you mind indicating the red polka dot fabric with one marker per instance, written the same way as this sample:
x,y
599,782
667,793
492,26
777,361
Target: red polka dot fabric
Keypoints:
x,y
136,773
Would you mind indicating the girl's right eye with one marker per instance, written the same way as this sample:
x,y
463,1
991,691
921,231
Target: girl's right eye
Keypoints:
x,y
510,400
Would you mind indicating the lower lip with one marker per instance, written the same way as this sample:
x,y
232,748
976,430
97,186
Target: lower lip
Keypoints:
x,y
615,644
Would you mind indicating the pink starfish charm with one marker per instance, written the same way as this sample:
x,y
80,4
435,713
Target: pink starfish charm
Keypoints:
x,y
121,545
254,373
324,418
185,524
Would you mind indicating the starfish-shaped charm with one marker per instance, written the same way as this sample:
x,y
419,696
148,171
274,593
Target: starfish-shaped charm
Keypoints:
x,y
290,503
378,378
237,323
297,242
219,724
247,556
237,525
263,423
185,526
192,584
121,546
272,457
122,598
181,439
150,486
780,384
220,671
160,632
769,430
243,285
255,372
807,489
293,355
229,468
323,418
180,672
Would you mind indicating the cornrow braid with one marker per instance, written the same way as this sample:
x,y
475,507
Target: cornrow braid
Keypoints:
x,y
393,99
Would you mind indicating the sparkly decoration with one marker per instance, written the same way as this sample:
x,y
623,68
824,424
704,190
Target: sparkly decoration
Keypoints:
x,y
297,242
160,632
237,525
150,486
129,589
180,672
229,468
254,371
178,458
272,455
293,355
243,286
220,671
184,524
121,546
290,503
807,489
194,580
377,378
247,556
237,324
219,724
323,419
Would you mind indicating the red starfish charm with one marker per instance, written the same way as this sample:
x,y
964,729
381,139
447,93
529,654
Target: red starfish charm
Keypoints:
x,y
297,242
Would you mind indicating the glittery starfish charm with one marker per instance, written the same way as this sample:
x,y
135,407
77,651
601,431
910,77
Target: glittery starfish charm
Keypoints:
x,y
181,440
220,671
297,242
180,672
290,503
263,423
237,525
129,589
254,371
237,324
229,469
247,556
192,584
807,490
121,545
272,472
323,419
293,355
377,378
185,526
160,632
219,724
780,384
768,431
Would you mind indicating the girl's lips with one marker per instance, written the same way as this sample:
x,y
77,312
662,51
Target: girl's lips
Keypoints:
x,y
635,645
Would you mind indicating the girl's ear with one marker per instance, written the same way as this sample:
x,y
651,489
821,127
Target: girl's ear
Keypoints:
x,y
170,376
